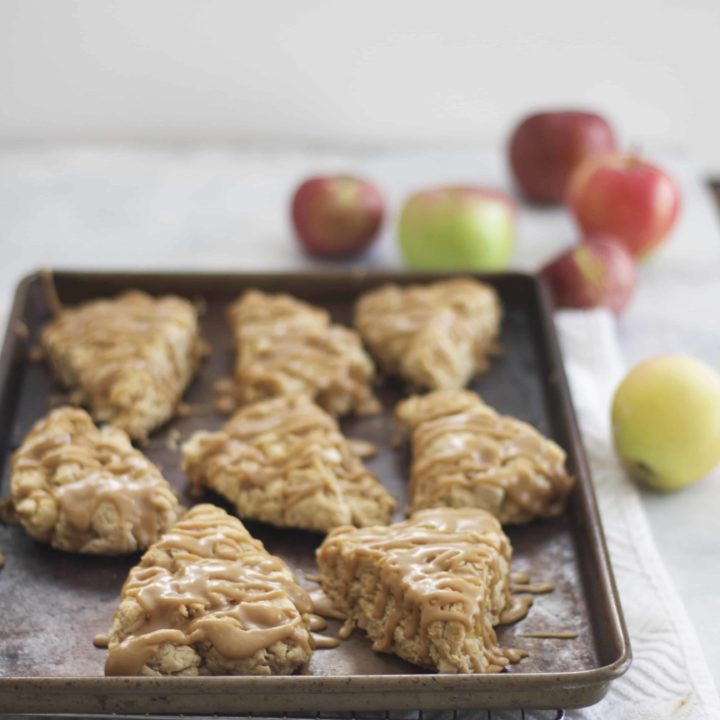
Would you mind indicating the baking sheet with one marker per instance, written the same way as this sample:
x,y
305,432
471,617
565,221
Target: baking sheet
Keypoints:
x,y
53,603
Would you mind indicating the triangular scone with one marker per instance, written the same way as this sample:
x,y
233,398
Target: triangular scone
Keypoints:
x,y
87,490
208,599
130,358
435,336
429,589
284,461
288,347
466,455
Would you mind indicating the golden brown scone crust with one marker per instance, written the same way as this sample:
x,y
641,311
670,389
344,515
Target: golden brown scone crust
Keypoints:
x,y
208,599
288,347
429,589
435,336
84,489
466,455
284,461
129,358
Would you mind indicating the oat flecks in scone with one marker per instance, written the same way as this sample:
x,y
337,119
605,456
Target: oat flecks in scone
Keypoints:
x,y
288,347
429,589
84,489
435,336
130,357
284,461
467,455
208,599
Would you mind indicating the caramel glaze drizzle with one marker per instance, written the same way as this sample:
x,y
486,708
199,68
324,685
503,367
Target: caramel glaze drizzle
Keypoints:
x,y
288,347
442,565
534,588
435,335
520,583
209,581
82,467
101,640
324,642
461,444
100,344
316,622
347,629
324,606
569,635
285,438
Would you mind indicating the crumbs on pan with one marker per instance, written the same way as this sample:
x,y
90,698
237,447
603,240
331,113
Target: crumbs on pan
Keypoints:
x,y
172,441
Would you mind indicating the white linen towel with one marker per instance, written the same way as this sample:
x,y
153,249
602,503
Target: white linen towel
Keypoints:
x,y
669,677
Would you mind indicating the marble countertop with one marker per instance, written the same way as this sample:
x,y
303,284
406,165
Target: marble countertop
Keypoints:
x,y
226,209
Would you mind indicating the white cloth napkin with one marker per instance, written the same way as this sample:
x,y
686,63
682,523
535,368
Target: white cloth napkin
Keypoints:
x,y
669,677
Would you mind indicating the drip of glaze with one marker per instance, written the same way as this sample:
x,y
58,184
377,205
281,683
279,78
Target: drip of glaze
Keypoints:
x,y
517,610
347,629
101,640
323,642
563,635
315,622
534,588
322,605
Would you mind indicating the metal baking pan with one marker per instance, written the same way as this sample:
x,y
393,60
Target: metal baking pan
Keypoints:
x,y
53,603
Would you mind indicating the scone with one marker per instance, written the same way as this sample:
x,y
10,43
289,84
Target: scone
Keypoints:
x,y
208,599
86,490
288,347
435,336
129,358
284,461
429,589
466,455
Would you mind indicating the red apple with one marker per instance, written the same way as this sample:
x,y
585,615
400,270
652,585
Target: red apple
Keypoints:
x,y
337,217
547,147
624,196
598,271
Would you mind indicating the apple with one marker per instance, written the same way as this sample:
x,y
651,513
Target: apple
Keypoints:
x,y
337,216
597,271
453,228
666,421
624,196
545,149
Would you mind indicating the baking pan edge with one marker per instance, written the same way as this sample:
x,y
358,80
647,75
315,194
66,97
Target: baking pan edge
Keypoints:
x,y
355,692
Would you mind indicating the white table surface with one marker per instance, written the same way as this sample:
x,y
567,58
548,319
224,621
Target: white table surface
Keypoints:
x,y
226,209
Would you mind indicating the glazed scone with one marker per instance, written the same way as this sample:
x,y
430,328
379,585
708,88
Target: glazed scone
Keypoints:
x,y
284,461
88,490
208,599
130,358
429,589
288,347
435,336
466,455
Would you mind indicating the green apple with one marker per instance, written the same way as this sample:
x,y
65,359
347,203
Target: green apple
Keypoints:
x,y
456,228
666,421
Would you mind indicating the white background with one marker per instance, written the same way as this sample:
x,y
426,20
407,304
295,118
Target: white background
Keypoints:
x,y
378,72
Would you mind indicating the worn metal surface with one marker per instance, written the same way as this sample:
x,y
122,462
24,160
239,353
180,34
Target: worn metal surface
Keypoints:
x,y
53,603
